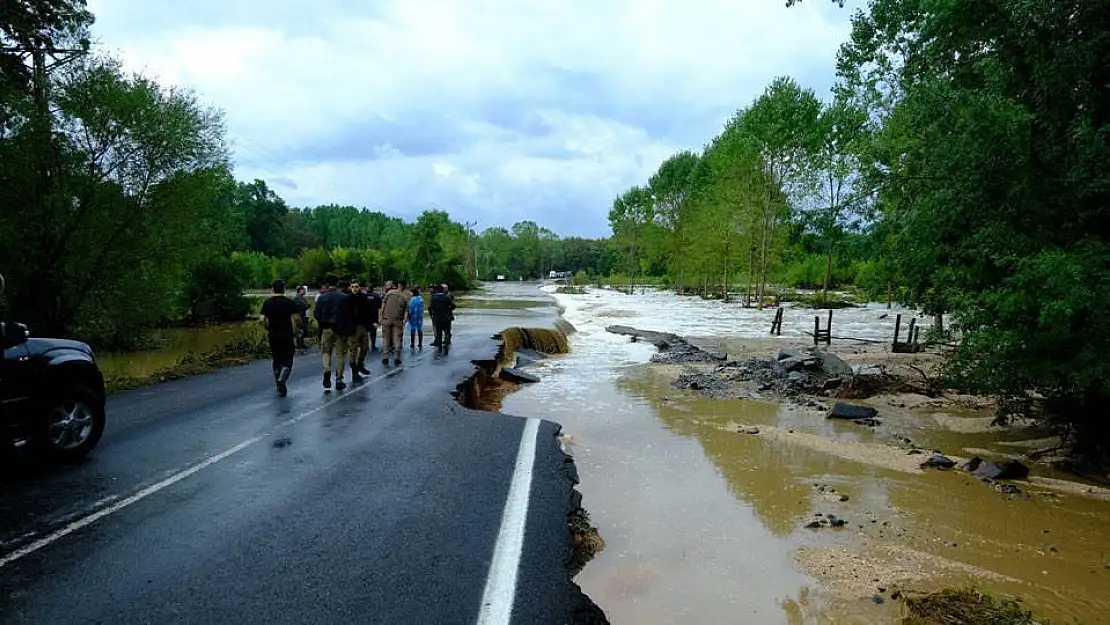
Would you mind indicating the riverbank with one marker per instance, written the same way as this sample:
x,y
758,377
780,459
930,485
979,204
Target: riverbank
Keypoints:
x,y
845,504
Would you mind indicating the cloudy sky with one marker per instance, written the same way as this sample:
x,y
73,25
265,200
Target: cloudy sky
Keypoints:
x,y
494,110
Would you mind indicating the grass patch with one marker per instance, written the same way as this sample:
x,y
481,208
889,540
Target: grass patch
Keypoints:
x,y
965,606
237,351
571,290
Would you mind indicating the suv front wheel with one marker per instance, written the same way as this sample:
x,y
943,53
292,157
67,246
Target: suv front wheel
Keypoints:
x,y
73,426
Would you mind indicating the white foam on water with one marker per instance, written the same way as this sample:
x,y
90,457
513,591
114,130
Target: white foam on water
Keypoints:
x,y
664,311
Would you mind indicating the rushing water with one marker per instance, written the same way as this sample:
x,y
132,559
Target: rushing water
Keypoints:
x,y
702,525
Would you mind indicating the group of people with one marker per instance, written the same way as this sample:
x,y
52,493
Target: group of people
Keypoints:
x,y
347,319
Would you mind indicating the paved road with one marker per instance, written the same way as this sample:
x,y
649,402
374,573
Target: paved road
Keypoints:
x,y
211,500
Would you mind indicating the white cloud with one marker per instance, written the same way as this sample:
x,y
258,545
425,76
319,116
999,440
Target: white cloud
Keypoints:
x,y
492,110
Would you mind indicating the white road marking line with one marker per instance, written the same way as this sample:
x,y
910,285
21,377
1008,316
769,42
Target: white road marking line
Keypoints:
x,y
177,477
500,592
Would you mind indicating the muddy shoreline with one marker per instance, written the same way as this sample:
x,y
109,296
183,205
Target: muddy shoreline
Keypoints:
x,y
863,554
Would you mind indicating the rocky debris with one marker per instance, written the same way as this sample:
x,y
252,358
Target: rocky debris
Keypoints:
x,y
751,430
825,520
517,376
938,461
791,373
673,349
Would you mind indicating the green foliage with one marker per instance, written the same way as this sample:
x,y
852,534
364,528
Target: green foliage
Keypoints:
x,y
992,170
214,290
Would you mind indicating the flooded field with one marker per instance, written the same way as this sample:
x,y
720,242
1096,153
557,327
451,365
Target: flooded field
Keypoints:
x,y
705,523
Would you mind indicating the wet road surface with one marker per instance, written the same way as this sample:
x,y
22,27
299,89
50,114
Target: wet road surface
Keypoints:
x,y
212,500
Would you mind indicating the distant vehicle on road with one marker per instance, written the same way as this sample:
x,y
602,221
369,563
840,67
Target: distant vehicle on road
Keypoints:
x,y
51,394
558,275
500,277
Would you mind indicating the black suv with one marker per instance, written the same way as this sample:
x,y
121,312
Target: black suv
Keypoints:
x,y
51,394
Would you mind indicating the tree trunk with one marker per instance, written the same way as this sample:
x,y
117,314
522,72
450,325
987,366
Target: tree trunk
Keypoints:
x,y
828,273
724,289
763,265
889,296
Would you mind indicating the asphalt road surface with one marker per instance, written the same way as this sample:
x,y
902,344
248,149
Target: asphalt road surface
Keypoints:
x,y
212,500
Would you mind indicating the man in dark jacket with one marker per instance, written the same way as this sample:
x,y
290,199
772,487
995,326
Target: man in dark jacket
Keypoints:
x,y
443,312
366,316
335,313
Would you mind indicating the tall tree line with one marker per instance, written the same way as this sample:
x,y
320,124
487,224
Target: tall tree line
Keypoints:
x,y
776,189
119,211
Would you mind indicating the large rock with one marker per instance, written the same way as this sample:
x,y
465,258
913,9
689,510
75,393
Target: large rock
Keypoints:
x,y
867,370
832,364
517,376
841,410
792,363
525,357
1010,470
787,352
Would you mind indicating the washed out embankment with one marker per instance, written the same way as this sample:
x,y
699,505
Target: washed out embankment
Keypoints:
x,y
486,387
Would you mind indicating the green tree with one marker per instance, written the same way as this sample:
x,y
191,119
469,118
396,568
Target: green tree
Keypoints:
x,y
994,175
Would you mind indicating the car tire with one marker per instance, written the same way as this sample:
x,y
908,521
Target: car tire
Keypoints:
x,y
72,425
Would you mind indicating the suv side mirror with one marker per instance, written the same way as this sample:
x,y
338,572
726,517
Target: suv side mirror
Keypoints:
x,y
13,334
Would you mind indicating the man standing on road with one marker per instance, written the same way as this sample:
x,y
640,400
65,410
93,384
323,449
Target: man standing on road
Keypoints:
x,y
335,316
282,317
360,344
394,307
443,312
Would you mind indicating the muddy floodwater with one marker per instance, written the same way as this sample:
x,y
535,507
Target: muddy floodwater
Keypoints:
x,y
706,524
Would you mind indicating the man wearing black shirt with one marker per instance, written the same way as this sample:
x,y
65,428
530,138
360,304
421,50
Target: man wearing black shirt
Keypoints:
x,y
281,317
443,313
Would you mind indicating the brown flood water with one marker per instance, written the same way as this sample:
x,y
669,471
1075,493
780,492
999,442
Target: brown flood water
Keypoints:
x,y
705,525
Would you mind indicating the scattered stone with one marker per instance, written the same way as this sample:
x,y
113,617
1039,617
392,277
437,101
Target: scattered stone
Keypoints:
x,y
870,422
913,452
844,498
842,410
877,599
517,376
938,461
751,430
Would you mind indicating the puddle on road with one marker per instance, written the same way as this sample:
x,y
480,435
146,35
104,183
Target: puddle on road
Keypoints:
x,y
705,524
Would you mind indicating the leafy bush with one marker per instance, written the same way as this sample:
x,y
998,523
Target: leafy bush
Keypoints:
x,y
214,290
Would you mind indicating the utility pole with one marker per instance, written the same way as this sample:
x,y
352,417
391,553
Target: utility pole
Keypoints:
x,y
472,256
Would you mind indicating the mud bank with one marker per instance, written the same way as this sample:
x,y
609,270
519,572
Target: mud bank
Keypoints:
x,y
484,389
876,516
